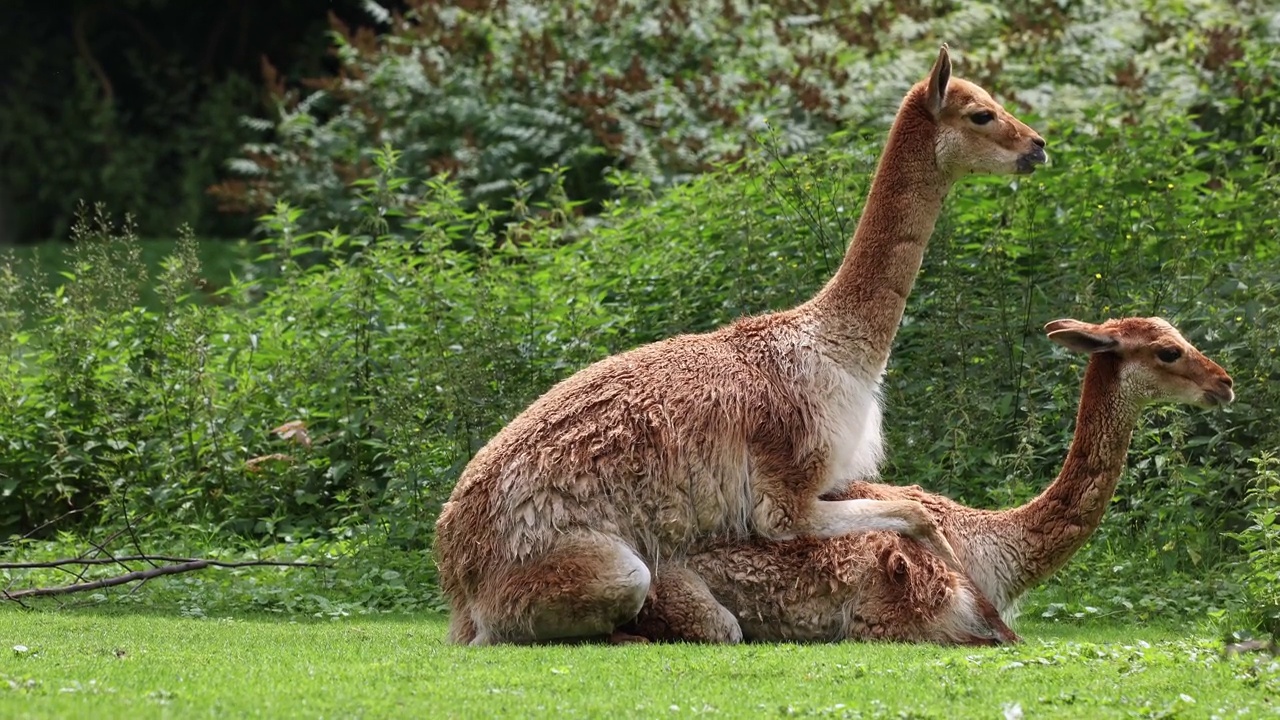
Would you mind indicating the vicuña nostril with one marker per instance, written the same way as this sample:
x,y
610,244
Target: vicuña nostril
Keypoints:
x,y
1226,381
1038,141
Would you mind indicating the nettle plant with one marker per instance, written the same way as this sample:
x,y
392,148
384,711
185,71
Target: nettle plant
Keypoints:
x,y
491,93
338,388
1261,541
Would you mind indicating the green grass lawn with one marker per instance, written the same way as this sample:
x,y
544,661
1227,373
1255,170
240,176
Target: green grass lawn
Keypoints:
x,y
93,664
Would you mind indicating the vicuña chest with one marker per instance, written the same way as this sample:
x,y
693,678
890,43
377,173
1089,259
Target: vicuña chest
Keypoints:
x,y
848,426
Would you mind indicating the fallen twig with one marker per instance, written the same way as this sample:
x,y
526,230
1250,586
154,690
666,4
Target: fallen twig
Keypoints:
x,y
180,565
63,516
107,582
102,550
155,558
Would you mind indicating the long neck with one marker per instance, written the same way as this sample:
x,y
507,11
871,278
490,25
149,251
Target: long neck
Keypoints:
x,y
1043,534
861,306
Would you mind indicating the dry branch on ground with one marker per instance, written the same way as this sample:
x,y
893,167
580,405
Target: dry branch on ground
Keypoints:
x,y
175,565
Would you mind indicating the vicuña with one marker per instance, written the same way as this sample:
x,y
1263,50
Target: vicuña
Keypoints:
x,y
556,525
882,586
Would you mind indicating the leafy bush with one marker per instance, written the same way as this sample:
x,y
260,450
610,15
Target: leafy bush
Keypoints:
x,y
1261,542
171,412
494,92
340,393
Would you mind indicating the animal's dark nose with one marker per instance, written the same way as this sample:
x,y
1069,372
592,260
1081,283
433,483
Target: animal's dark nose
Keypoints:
x,y
1038,141
1226,381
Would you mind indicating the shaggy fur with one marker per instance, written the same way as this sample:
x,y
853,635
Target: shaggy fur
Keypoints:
x,y
557,524
883,586
864,586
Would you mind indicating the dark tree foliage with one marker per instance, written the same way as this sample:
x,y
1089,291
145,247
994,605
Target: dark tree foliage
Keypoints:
x,y
137,103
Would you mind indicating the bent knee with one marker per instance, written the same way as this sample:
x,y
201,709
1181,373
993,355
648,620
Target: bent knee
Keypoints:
x,y
631,583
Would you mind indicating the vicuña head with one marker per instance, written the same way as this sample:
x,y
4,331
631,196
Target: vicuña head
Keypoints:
x,y
1156,364
946,129
975,134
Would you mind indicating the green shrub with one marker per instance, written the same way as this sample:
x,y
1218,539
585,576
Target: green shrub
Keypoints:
x,y
340,393
493,93
166,411
1260,541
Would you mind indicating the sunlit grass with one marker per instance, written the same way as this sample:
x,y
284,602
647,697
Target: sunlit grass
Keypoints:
x,y
90,664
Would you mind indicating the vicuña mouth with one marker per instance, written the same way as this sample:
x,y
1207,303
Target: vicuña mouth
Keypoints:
x,y
1028,162
1218,398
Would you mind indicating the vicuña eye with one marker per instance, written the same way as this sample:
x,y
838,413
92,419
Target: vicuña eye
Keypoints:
x,y
982,117
1168,354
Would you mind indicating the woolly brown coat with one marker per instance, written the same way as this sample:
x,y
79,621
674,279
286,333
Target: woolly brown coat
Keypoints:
x,y
556,525
882,586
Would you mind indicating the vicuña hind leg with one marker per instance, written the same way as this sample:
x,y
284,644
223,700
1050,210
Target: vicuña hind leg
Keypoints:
x,y
589,584
680,608
462,629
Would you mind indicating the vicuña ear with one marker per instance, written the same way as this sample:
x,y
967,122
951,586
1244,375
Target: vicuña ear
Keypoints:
x,y
1080,336
896,566
938,79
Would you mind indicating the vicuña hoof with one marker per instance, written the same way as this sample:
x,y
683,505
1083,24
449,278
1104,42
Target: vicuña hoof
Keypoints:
x,y
621,638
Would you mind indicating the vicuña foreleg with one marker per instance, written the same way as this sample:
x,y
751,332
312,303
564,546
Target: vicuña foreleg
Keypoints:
x,y
833,518
825,519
